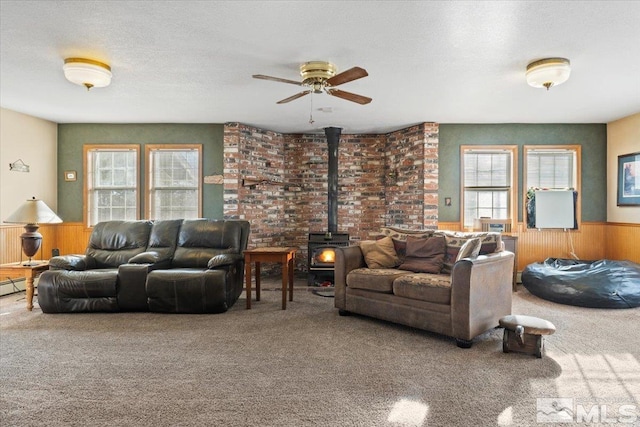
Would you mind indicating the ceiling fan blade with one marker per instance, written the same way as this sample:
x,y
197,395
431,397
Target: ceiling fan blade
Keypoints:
x,y
349,96
296,96
347,76
276,79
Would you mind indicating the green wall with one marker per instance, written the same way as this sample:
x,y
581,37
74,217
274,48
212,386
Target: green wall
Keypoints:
x,y
592,138
71,138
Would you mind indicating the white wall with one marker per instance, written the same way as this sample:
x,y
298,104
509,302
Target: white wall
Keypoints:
x,y
35,141
623,137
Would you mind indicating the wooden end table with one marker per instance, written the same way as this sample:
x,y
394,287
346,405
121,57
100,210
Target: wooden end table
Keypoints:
x,y
30,271
284,256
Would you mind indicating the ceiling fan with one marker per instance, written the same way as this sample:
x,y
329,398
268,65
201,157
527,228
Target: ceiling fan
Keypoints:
x,y
320,76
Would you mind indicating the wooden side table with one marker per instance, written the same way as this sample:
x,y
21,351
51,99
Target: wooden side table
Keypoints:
x,y
30,272
284,256
511,245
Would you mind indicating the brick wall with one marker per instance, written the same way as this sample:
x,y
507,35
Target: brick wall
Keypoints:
x,y
369,196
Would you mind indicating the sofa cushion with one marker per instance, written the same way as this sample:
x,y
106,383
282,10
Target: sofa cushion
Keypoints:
x,y
78,291
199,240
378,280
470,249
402,234
424,255
380,253
490,242
399,236
435,288
113,243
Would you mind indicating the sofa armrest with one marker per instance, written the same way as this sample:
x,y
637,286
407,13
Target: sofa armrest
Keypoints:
x,y
71,262
151,257
480,293
347,258
224,260
131,290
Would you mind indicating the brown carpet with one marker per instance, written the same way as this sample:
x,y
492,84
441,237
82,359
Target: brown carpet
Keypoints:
x,y
305,366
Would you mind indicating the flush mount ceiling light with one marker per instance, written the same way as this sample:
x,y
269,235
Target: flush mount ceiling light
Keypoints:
x,y
548,72
87,72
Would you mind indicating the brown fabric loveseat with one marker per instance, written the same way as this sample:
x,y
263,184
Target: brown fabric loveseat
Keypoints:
x,y
452,283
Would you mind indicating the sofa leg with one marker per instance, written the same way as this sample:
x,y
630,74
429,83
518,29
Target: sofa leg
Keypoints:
x,y
463,343
342,312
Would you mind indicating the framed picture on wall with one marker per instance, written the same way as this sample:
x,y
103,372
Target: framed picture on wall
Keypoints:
x,y
629,179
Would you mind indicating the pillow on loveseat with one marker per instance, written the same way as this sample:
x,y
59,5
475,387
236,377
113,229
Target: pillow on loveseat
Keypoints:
x,y
424,255
489,242
380,253
470,249
399,236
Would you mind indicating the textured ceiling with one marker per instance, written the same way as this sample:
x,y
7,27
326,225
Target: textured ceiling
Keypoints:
x,y
446,62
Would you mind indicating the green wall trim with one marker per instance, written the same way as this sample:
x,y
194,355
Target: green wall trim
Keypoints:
x,y
592,138
72,137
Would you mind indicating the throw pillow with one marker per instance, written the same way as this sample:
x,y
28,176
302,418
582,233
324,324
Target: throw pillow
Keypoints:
x,y
424,255
380,253
470,249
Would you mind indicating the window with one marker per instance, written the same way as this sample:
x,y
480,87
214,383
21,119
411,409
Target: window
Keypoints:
x,y
173,181
551,167
488,183
111,183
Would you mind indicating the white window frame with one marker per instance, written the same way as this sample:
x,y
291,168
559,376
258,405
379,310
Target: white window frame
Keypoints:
x,y
150,187
576,150
511,188
90,186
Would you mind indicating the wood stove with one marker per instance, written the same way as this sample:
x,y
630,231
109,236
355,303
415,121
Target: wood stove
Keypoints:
x,y
322,256
321,245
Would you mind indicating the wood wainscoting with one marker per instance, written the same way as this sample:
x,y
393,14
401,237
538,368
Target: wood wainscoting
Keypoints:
x,y
622,241
594,240
11,244
69,238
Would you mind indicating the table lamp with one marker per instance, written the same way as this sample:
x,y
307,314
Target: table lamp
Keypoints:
x,y
32,213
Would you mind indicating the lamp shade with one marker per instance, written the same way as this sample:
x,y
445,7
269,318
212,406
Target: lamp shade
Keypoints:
x,y
548,72
33,211
87,72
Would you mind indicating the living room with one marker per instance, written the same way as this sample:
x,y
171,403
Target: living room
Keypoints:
x,y
396,167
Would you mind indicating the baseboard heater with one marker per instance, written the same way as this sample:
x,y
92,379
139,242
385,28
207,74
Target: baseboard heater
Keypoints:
x,y
11,286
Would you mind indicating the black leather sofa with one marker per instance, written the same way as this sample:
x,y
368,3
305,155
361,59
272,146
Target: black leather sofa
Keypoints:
x,y
170,266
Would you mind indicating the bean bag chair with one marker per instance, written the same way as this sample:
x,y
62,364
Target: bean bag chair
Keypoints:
x,y
597,284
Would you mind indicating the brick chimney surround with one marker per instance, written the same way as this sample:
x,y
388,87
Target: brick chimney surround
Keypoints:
x,y
383,180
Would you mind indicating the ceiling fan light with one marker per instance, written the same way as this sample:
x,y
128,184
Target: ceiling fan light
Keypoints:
x,y
548,72
87,72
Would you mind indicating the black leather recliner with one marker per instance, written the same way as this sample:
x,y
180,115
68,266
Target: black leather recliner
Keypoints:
x,y
180,266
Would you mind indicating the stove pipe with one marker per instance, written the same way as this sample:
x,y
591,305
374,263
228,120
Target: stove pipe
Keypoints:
x,y
333,138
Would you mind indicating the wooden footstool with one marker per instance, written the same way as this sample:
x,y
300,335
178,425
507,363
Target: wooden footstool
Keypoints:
x,y
523,334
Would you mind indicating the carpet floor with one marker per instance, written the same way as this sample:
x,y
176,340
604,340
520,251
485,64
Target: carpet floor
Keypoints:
x,y
307,366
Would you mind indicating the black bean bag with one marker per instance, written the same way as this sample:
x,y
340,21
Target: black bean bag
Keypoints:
x,y
598,284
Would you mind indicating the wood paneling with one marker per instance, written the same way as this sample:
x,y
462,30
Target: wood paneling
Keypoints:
x,y
73,238
10,242
623,241
594,240
588,243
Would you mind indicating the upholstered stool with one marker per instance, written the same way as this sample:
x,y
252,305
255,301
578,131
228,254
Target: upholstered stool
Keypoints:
x,y
184,290
62,291
523,334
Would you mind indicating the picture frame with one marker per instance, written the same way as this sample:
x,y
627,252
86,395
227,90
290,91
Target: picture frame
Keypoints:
x,y
69,175
628,193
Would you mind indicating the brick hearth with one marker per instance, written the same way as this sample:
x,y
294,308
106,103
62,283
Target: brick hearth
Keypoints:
x,y
368,197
